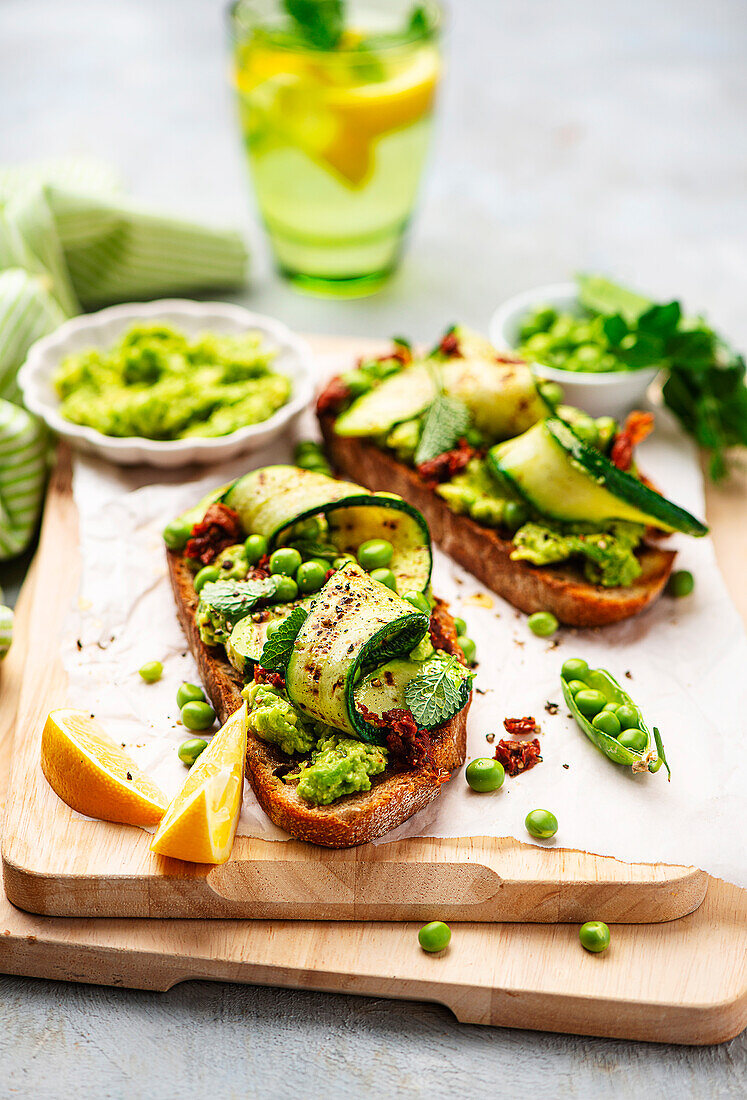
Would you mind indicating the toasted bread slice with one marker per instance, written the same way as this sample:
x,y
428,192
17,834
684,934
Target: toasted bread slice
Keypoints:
x,y
561,589
355,818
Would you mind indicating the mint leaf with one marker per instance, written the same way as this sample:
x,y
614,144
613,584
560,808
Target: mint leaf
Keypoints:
x,y
277,650
446,421
236,599
320,22
438,692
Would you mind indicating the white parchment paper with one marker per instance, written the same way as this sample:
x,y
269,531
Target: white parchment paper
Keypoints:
x,y
684,662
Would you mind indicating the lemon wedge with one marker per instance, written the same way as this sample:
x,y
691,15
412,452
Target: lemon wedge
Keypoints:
x,y
93,775
200,824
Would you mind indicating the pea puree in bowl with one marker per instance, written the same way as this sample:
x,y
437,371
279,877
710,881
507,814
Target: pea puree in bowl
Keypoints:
x,y
168,383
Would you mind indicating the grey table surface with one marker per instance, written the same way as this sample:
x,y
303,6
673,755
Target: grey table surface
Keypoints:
x,y
571,136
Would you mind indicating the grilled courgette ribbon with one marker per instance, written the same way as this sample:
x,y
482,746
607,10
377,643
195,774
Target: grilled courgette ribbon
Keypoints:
x,y
271,500
354,625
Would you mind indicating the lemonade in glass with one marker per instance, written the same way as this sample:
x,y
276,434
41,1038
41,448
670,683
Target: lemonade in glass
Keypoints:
x,y
336,101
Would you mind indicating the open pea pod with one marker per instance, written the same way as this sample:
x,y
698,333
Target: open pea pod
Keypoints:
x,y
650,757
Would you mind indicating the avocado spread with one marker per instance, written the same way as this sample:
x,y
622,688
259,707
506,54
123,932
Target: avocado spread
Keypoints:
x,y
273,718
158,383
340,765
610,560
477,493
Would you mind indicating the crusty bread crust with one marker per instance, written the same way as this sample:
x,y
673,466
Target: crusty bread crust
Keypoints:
x,y
353,819
561,589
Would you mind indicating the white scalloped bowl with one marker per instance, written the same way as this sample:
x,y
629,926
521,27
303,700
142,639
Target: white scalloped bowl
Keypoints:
x,y
599,393
102,329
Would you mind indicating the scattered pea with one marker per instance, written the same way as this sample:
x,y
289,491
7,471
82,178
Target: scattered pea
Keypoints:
x,y
514,514
151,671
197,715
460,626
256,548
634,739
207,574
356,382
176,534
189,750
342,560
606,721
542,623
434,936
541,824
286,589
285,561
485,774
375,554
590,702
574,668
594,936
310,576
552,393
419,601
189,693
469,649
627,717
385,576
272,626
680,583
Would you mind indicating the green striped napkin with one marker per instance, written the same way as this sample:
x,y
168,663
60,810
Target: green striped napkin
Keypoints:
x,y
71,240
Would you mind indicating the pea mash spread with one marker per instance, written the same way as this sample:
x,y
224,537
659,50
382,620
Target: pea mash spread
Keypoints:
x,y
158,383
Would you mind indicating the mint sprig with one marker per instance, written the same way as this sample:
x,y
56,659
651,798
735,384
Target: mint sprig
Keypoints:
x,y
236,599
319,22
438,692
277,650
445,422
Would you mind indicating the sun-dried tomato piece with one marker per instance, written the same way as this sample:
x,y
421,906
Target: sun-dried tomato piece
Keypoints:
x,y
220,527
449,346
443,467
443,635
519,727
265,676
403,737
518,756
333,397
637,427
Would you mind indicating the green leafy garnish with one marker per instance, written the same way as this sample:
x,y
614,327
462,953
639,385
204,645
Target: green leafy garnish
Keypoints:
x,y
319,22
236,599
445,422
438,692
660,750
277,650
309,548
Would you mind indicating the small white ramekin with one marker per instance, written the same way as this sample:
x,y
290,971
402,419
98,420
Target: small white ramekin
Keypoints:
x,y
102,329
607,393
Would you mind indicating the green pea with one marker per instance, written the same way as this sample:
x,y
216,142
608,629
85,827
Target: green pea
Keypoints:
x,y
207,574
419,600
563,327
272,626
356,382
385,576
474,437
590,702
189,693
285,561
197,716
310,576
574,686
189,750
176,534
606,430
543,623
342,560
514,514
434,936
613,707
469,649
589,356
485,774
460,626
538,344
575,668
541,824
680,583
586,430
594,936
286,589
607,722
151,671
315,464
552,392
627,716
634,739
256,548
375,554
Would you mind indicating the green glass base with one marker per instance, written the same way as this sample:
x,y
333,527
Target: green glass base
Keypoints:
x,y
351,286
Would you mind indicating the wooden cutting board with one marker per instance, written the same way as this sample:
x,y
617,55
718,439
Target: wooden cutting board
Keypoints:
x,y
58,863
683,981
